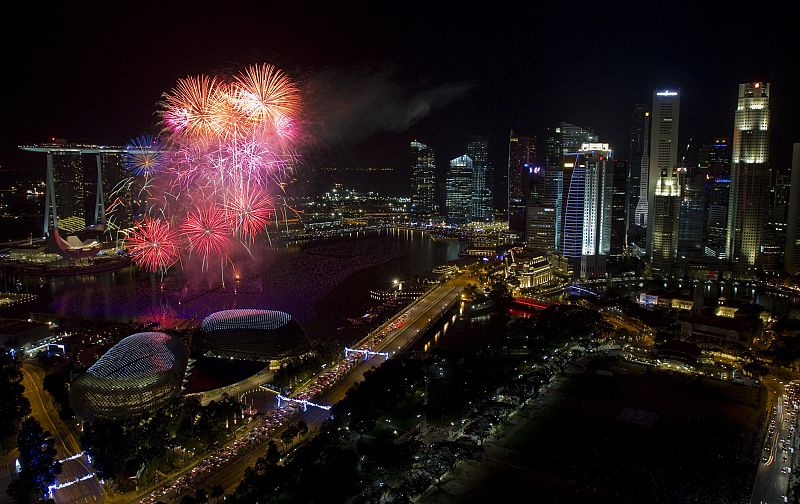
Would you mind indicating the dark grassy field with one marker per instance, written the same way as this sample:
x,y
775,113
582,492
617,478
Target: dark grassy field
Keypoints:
x,y
635,436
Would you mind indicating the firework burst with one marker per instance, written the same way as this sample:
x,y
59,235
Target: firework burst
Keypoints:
x,y
207,232
249,212
153,245
226,153
262,92
197,107
144,156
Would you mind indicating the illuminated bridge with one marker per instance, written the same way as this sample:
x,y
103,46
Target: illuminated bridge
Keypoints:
x,y
533,302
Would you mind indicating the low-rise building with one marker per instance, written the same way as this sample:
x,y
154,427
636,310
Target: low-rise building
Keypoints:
x,y
666,300
532,272
715,332
21,333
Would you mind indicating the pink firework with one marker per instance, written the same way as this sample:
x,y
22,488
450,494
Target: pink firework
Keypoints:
x,y
153,245
207,232
249,212
227,152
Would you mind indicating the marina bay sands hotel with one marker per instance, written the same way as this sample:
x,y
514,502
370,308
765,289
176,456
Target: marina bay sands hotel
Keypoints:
x,y
116,199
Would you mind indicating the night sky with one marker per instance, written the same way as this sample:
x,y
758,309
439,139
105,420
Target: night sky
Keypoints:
x,y
376,77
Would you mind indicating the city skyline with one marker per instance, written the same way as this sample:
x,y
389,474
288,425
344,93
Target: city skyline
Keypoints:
x,y
374,253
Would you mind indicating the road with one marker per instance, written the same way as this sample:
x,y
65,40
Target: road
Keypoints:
x,y
419,316
772,480
45,412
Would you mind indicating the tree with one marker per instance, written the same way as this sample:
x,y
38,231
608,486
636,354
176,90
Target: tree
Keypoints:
x,y
201,495
55,384
302,428
217,491
108,444
38,463
57,387
13,404
289,433
273,455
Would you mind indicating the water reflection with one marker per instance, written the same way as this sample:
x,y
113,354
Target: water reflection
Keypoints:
x,y
291,280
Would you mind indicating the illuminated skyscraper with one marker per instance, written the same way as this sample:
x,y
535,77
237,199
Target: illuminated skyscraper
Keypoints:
x,y
692,213
68,189
459,191
638,148
521,157
664,225
640,213
65,188
573,137
663,147
554,179
423,182
792,249
588,174
118,196
482,201
750,175
561,144
717,221
771,253
619,207
715,158
540,227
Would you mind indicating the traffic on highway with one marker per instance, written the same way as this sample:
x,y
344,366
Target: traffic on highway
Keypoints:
x,y
392,337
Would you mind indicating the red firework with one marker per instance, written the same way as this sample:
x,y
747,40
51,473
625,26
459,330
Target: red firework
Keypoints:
x,y
153,244
207,232
249,212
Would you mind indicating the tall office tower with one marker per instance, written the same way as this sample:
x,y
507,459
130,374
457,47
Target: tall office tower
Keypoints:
x,y
573,137
117,194
570,245
570,138
540,218
482,202
750,175
663,147
459,191
69,190
536,186
640,213
773,246
792,248
424,204
664,224
554,179
717,221
619,207
540,227
715,158
638,147
692,213
780,187
588,214
521,157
